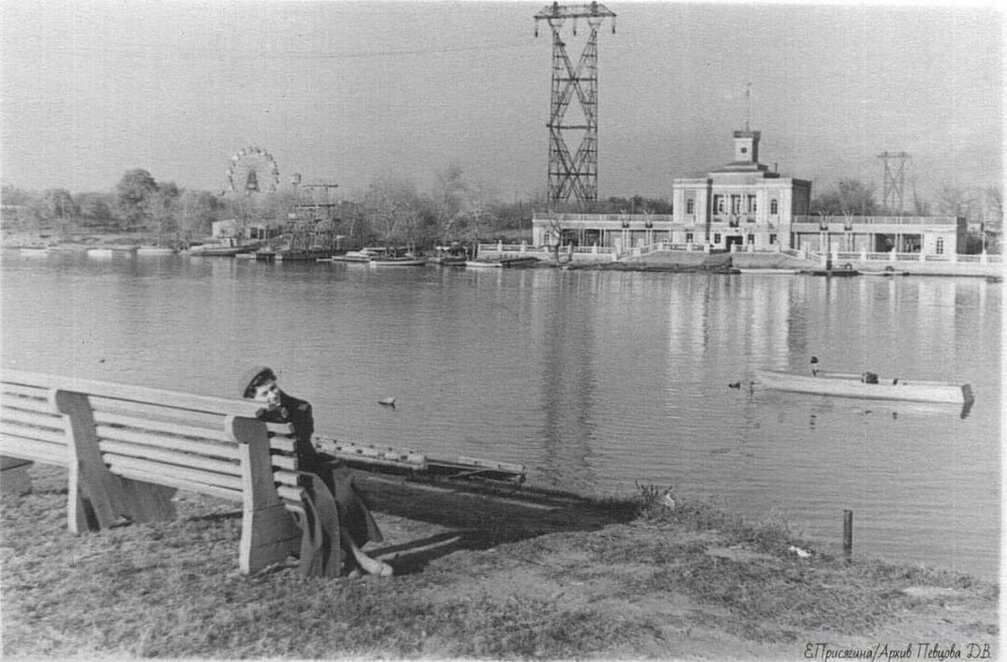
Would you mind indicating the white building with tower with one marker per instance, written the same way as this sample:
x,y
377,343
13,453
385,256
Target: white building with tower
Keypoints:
x,y
742,203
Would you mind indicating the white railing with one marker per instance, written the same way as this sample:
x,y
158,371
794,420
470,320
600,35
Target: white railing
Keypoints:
x,y
889,256
634,218
544,250
875,220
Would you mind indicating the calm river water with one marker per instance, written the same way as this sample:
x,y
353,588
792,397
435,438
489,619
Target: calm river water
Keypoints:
x,y
594,380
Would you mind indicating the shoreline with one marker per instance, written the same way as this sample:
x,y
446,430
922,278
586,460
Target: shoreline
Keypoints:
x,y
476,577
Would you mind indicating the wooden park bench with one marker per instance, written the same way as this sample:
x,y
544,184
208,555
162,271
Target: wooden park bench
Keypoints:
x,y
129,448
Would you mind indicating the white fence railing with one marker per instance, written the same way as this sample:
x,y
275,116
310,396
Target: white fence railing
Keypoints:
x,y
917,257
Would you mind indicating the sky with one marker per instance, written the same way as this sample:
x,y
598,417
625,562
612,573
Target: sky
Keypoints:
x,y
349,91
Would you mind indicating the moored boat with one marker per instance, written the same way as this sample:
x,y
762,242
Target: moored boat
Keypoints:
x,y
363,255
867,385
888,271
833,273
453,255
155,250
226,247
401,261
484,264
769,270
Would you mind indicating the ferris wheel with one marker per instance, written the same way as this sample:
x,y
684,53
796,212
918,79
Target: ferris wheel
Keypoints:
x,y
253,170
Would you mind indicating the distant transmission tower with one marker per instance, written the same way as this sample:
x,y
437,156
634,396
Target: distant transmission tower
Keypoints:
x,y
895,179
577,174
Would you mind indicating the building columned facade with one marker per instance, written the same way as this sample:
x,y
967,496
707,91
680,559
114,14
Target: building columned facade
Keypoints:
x,y
745,206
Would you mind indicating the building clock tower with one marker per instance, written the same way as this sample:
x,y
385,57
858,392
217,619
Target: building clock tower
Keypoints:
x,y
746,146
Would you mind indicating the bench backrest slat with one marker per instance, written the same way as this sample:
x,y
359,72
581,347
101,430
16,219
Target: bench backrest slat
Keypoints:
x,y
31,419
169,458
34,449
26,403
200,480
174,428
24,390
130,393
171,480
47,434
159,413
154,440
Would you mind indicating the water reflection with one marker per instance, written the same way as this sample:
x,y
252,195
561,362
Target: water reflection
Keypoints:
x,y
568,385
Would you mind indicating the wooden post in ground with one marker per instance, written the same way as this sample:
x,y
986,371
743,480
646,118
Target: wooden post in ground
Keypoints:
x,y
848,535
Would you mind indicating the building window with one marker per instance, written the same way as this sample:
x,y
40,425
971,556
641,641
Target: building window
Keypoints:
x,y
690,206
735,204
753,205
751,238
774,207
940,246
688,237
718,203
772,239
716,238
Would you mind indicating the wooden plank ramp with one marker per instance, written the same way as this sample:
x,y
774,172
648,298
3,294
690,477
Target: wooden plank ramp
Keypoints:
x,y
420,465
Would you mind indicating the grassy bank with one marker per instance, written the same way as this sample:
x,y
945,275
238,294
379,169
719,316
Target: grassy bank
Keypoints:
x,y
477,577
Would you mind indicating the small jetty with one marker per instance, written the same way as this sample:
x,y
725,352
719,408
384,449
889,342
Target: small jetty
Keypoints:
x,y
833,273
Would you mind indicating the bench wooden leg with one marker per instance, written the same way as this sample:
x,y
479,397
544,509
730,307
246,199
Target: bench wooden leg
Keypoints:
x,y
14,478
98,498
268,532
268,536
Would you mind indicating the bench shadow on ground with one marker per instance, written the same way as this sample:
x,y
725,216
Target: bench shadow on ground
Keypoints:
x,y
442,520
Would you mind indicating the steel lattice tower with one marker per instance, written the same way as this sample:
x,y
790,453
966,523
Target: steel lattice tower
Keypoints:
x,y
576,174
895,179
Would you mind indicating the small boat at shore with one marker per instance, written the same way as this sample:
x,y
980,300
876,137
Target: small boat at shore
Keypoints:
x,y
484,264
225,247
399,262
363,255
782,272
867,385
155,250
832,273
889,272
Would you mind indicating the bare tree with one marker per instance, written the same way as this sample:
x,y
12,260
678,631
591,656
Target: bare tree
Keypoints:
x,y
393,208
450,195
957,201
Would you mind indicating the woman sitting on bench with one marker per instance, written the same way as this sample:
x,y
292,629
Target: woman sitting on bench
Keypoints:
x,y
356,524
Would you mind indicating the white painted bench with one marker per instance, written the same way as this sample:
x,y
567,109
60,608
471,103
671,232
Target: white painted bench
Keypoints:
x,y
128,449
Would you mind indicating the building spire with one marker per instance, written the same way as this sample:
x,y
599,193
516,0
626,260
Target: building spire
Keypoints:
x,y
748,104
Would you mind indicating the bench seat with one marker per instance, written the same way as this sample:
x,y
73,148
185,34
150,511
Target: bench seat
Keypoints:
x,y
129,448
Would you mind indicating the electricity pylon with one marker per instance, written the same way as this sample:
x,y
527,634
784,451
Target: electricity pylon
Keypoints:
x,y
576,174
895,179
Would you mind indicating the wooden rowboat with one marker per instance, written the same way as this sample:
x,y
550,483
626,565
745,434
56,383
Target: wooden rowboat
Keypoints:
x,y
867,386
404,261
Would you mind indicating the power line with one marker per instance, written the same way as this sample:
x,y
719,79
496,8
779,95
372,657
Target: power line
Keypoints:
x,y
140,51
